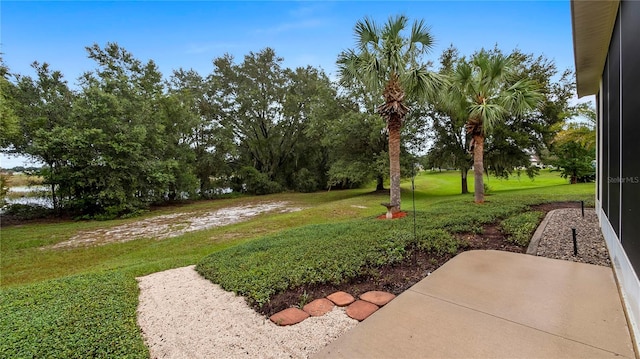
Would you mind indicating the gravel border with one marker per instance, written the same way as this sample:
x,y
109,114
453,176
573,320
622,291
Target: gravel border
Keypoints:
x,y
554,238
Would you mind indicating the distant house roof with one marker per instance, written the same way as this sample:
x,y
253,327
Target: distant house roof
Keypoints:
x,y
593,23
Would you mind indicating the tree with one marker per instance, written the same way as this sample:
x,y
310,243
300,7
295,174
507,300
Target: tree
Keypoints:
x,y
44,106
122,160
574,146
9,122
358,149
389,64
450,147
575,162
197,132
269,110
489,89
250,95
509,146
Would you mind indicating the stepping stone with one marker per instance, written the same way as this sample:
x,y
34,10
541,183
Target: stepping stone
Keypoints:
x,y
318,307
341,299
360,310
377,297
289,316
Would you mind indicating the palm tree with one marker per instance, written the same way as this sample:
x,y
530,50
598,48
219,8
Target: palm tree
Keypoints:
x,y
489,89
387,63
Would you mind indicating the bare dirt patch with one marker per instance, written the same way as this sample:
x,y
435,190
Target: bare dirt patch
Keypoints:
x,y
173,225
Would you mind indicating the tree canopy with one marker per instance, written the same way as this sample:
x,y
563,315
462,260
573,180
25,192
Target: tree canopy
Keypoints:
x,y
127,137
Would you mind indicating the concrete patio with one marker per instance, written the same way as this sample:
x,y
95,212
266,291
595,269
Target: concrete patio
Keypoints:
x,y
494,304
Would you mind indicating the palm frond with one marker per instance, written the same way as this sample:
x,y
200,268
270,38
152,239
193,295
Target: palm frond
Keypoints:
x,y
347,67
394,26
464,79
367,34
487,113
422,83
521,97
383,53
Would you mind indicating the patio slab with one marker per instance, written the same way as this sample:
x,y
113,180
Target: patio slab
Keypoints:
x,y
497,304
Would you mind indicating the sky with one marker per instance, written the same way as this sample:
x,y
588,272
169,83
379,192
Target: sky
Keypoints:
x,y
190,34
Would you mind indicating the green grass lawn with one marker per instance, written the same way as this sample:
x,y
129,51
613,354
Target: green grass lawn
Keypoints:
x,y
81,302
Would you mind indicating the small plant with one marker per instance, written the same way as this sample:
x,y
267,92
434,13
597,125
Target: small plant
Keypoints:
x,y
437,241
304,299
520,228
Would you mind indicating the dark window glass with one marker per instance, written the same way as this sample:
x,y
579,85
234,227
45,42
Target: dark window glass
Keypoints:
x,y
630,206
614,129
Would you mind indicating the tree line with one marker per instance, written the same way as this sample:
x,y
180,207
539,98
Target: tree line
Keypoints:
x,y
128,137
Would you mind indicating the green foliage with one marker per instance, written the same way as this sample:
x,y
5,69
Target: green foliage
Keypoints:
x,y
90,316
329,253
307,255
256,182
358,149
4,189
106,147
9,122
520,228
437,241
574,146
305,181
575,162
274,115
27,211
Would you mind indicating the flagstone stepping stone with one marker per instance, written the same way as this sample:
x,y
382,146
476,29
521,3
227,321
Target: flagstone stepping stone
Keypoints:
x,y
377,297
360,310
318,307
289,316
341,299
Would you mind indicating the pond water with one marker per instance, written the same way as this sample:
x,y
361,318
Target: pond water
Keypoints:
x,y
36,195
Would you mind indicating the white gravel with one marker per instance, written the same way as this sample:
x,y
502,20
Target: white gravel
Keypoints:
x,y
183,315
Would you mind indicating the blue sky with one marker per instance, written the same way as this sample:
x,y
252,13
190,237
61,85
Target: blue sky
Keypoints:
x,y
191,34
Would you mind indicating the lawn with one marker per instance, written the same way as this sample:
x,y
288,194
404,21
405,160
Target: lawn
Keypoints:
x,y
81,302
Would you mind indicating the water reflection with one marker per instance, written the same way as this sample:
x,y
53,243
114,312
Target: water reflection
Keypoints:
x,y
31,195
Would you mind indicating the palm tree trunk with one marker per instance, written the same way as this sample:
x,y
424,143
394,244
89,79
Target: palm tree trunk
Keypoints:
x,y
478,167
394,164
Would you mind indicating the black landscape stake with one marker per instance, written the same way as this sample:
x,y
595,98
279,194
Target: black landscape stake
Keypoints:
x,y
413,197
582,206
575,242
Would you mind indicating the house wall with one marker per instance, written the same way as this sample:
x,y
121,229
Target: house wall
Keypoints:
x,y
618,196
